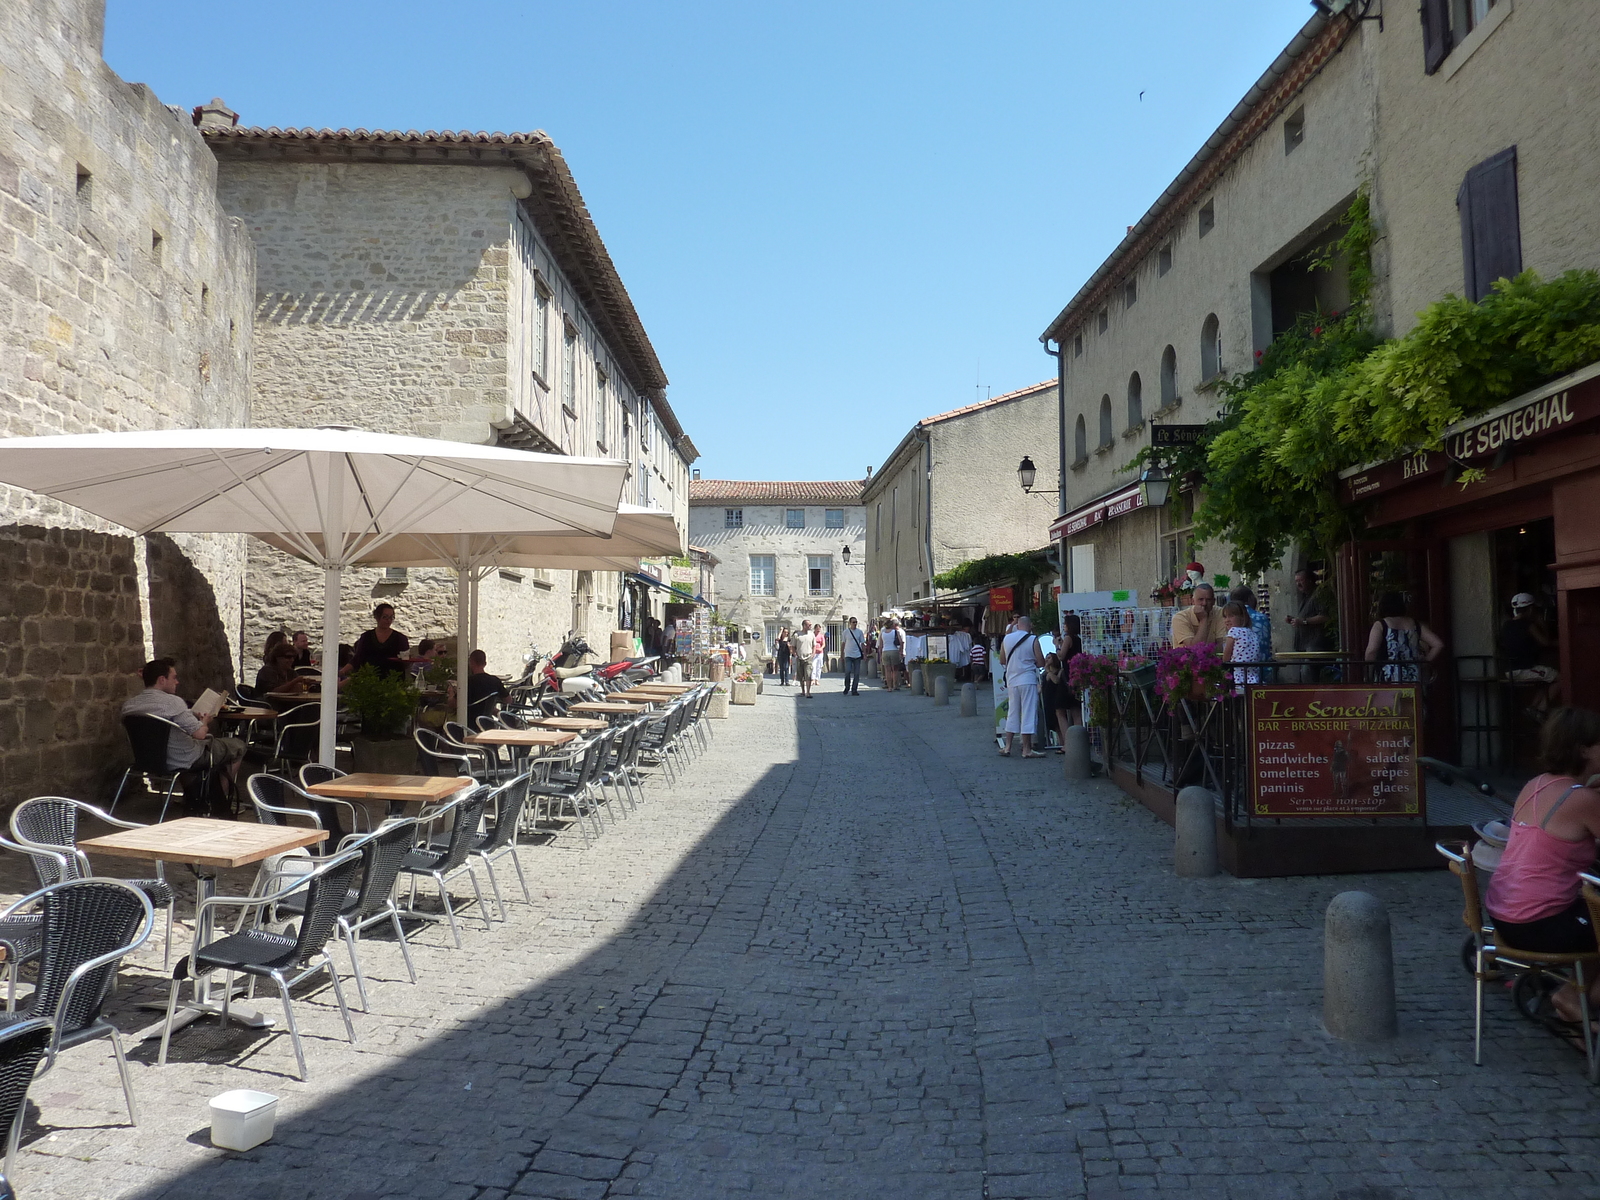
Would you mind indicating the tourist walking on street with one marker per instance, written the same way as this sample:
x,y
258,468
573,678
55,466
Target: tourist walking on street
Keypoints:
x,y
961,651
893,655
805,644
1069,646
855,652
782,653
819,651
1056,693
1019,655
978,659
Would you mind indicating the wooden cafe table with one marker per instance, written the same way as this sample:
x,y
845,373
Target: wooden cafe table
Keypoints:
x,y
606,708
371,785
205,846
572,724
522,739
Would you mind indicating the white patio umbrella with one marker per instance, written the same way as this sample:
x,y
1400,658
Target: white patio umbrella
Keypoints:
x,y
637,533
335,494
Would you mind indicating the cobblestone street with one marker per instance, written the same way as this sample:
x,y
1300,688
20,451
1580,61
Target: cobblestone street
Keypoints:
x,y
858,955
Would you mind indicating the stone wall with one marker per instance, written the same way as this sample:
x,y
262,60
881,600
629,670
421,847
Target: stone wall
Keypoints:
x,y
125,302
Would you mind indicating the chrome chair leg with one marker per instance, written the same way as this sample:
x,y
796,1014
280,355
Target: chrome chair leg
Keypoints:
x,y
355,964
127,1083
166,1031
400,936
294,1030
338,995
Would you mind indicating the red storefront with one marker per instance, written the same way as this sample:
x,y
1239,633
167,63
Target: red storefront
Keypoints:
x,y
1509,503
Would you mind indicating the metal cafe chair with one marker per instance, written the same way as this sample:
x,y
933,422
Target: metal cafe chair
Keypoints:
x,y
441,861
46,830
283,958
148,738
21,1047
88,926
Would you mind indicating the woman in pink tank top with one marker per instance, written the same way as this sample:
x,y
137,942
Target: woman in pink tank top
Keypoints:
x,y
1534,897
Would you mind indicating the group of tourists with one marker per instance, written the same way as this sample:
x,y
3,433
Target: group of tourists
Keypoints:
x,y
895,648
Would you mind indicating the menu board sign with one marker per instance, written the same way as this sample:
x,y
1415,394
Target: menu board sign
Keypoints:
x,y
1334,750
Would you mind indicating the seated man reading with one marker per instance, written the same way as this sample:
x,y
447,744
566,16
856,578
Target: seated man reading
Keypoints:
x,y
192,745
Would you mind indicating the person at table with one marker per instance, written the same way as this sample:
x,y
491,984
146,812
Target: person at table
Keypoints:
x,y
1200,624
1535,896
302,649
382,646
485,692
277,673
192,744
274,639
1310,617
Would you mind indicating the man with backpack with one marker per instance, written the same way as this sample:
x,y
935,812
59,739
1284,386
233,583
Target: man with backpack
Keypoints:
x,y
892,654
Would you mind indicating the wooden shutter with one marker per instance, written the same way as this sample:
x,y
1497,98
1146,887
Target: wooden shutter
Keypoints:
x,y
1491,232
1435,33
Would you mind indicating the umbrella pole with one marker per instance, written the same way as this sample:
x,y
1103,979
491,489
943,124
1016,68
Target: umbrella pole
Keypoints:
x,y
463,647
328,727
477,577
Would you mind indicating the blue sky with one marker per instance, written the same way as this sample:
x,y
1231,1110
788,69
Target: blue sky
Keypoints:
x,y
833,218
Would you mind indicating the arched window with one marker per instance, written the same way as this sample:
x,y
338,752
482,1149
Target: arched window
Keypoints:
x,y
1105,421
1135,401
1210,348
1169,377
1080,441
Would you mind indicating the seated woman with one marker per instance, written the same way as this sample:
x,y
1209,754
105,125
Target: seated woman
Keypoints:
x,y
1534,897
277,673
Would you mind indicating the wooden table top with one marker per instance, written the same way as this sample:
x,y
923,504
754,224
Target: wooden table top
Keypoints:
x,y
576,724
248,714
612,709
368,785
672,689
204,842
521,737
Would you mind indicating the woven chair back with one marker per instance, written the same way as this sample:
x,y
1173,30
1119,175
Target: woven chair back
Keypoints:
x,y
83,919
21,1047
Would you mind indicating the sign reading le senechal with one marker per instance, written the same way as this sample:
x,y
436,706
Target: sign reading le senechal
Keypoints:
x,y
1334,750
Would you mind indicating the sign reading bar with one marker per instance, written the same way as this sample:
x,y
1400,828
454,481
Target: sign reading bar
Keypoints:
x,y
1176,435
1334,750
1000,599
1478,442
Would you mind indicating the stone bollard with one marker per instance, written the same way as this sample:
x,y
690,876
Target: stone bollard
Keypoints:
x,y
1076,763
1358,969
969,699
872,668
1194,854
916,682
941,689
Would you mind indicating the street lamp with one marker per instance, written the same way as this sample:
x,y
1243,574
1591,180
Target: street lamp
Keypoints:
x,y
845,554
1026,473
1154,486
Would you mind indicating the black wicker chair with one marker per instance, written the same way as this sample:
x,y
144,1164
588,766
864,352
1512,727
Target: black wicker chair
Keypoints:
x,y
88,925
149,738
442,860
444,756
46,830
283,958
509,799
372,901
22,1045
276,800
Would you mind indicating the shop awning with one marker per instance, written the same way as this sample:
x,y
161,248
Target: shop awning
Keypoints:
x,y
951,597
682,596
1108,507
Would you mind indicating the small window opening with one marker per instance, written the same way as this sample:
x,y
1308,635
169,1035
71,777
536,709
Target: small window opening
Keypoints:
x,y
1164,259
1105,319
1294,130
1130,293
1077,345
85,185
156,242
205,300
1208,217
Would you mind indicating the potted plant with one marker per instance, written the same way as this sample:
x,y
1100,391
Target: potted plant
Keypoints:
x,y
1191,673
1164,594
744,688
385,702
1138,670
1097,675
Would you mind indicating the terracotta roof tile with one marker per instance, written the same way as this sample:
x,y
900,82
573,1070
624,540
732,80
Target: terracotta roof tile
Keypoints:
x,y
722,491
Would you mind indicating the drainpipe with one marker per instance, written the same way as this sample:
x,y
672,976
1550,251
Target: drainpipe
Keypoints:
x,y
927,493
1061,448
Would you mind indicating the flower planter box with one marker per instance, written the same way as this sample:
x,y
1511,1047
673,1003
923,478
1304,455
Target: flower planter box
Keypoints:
x,y
718,708
1143,678
743,693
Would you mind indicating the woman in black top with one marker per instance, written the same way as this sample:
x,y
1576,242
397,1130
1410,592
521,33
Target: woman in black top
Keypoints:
x,y
382,647
782,652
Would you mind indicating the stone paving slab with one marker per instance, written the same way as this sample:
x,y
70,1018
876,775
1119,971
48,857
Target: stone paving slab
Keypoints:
x,y
855,954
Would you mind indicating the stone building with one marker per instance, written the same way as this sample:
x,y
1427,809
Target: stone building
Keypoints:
x,y
949,493
125,303
1197,288
447,285
781,551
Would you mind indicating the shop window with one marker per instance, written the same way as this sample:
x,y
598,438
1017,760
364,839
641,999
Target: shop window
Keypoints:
x,y
1169,377
1210,347
1491,233
1135,402
833,518
763,575
733,518
819,575
1080,442
794,518
1177,534
1105,422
